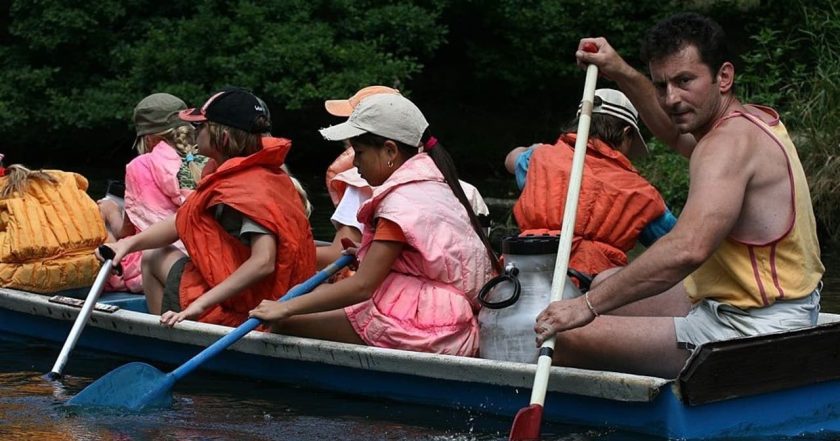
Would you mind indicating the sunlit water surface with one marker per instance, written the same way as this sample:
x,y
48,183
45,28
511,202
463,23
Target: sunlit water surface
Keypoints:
x,y
213,407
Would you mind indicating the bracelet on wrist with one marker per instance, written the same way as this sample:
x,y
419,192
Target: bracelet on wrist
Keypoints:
x,y
589,305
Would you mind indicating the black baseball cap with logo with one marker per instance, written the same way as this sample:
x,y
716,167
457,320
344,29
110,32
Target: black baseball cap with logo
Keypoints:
x,y
233,107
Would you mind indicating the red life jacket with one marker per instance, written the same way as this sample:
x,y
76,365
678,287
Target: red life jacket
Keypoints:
x,y
256,187
615,204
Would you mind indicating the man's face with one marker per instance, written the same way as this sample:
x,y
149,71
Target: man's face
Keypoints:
x,y
687,91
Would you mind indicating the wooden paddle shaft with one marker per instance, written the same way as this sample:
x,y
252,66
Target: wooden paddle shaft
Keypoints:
x,y
564,249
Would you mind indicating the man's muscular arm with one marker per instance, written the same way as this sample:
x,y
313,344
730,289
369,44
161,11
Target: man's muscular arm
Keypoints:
x,y
720,172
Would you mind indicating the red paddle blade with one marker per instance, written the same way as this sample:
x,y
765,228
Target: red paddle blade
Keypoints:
x,y
526,424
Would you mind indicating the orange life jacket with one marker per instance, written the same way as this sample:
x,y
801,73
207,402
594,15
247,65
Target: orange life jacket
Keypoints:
x,y
48,234
615,204
342,163
256,187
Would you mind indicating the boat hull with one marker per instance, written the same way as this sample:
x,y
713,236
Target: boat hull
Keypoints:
x,y
593,398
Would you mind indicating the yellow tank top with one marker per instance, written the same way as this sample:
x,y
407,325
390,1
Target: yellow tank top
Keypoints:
x,y
753,275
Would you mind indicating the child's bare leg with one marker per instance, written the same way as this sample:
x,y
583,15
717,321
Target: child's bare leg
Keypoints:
x,y
329,325
155,266
113,217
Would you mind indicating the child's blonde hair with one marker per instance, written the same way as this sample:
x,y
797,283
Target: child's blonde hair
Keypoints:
x,y
239,142
304,198
182,139
17,179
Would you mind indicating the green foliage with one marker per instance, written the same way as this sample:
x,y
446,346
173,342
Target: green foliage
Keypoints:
x,y
815,98
795,67
489,74
768,67
532,43
72,67
668,172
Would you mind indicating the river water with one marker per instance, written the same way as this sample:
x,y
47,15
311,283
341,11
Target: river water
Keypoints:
x,y
213,407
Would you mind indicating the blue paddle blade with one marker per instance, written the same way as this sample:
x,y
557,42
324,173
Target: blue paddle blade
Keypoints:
x,y
138,386
133,386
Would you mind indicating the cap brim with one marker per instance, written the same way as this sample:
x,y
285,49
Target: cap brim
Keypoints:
x,y
340,132
338,107
192,115
638,148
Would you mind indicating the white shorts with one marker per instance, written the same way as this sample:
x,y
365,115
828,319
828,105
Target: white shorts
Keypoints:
x,y
710,320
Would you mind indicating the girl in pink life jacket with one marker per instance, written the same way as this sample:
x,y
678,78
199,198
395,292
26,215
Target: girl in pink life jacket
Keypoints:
x,y
348,190
156,182
423,255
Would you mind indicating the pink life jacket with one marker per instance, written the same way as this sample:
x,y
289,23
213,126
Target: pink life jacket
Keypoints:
x,y
152,191
428,300
152,194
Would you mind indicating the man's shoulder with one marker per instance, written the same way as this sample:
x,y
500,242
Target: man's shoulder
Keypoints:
x,y
747,120
733,133
724,136
729,149
767,115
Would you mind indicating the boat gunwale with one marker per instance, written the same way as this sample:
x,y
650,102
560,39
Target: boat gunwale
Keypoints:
x,y
597,384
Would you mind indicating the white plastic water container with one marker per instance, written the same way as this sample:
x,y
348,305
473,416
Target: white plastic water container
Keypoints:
x,y
512,301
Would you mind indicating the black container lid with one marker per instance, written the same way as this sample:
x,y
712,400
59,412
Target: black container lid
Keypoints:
x,y
530,245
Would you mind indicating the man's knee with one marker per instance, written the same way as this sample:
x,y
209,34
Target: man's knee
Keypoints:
x,y
570,346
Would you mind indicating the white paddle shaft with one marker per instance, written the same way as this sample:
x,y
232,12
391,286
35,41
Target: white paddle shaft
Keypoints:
x,y
564,249
82,318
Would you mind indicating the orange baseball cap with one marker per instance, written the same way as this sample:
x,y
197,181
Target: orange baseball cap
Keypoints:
x,y
345,107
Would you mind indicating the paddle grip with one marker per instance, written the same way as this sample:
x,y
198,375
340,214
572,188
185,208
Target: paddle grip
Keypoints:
x,y
108,254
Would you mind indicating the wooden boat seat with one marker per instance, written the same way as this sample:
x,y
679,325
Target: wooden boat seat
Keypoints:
x,y
753,365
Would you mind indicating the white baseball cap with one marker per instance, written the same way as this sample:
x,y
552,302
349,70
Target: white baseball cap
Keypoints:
x,y
388,115
614,103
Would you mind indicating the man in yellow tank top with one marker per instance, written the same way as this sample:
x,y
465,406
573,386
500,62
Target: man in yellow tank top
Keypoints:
x,y
743,258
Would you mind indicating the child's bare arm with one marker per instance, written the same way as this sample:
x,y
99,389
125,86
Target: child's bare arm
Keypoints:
x,y
361,286
328,254
158,235
257,267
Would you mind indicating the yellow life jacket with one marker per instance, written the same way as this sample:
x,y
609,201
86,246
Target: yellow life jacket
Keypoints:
x,y
48,235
